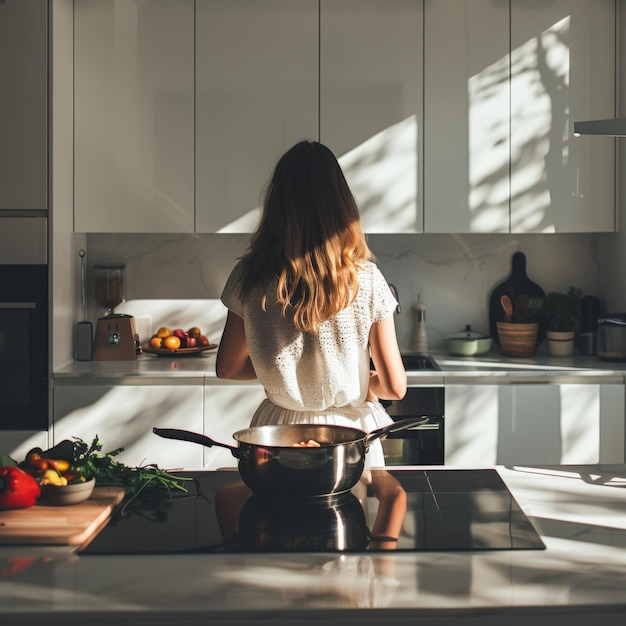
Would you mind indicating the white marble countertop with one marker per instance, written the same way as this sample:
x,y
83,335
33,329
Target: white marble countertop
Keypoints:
x,y
493,367
580,576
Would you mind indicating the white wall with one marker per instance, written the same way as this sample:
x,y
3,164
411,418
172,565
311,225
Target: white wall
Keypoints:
x,y
178,278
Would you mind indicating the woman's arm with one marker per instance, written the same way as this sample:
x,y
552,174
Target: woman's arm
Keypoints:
x,y
389,379
233,359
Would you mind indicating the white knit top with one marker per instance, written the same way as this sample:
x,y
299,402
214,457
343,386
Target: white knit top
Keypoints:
x,y
312,371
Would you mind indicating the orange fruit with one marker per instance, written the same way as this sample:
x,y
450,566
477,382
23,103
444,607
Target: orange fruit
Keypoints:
x,y
163,332
172,342
194,331
155,342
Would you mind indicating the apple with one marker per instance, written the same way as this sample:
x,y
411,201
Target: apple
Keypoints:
x,y
202,340
191,342
194,331
180,333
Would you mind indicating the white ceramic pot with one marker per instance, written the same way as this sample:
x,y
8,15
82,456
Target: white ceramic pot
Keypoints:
x,y
560,343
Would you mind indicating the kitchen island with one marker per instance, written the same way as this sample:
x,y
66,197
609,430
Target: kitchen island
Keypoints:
x,y
579,512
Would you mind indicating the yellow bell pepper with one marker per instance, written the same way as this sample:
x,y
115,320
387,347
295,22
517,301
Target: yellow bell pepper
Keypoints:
x,y
52,477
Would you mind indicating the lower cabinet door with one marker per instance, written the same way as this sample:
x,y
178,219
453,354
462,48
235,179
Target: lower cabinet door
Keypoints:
x,y
124,415
18,443
532,424
227,409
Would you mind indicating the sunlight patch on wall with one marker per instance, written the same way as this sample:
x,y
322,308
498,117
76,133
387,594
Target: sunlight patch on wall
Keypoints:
x,y
150,315
382,173
540,80
488,144
247,223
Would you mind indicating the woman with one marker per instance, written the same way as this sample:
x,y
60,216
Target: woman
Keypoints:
x,y
307,307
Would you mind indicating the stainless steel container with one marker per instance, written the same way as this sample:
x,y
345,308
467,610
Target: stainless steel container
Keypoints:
x,y
611,344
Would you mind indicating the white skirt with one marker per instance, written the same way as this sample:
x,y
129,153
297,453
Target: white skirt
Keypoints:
x,y
367,417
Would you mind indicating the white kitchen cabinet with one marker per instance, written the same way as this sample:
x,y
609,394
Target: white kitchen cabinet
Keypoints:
x,y
24,105
228,407
562,71
371,60
452,116
256,96
466,116
134,116
124,414
534,424
497,98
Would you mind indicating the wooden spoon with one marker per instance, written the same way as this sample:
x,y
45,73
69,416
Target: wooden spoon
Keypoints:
x,y
507,305
521,308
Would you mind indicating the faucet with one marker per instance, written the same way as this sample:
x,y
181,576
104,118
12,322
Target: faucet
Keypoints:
x,y
394,291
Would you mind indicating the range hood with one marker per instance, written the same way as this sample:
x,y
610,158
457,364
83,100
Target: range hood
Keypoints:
x,y
610,128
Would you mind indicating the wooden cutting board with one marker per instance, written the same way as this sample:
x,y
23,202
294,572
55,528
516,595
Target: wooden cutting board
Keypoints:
x,y
516,284
46,524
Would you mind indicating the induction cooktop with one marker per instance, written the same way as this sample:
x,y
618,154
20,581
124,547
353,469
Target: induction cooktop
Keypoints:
x,y
407,510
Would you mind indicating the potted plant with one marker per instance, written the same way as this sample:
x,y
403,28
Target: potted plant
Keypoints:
x,y
563,316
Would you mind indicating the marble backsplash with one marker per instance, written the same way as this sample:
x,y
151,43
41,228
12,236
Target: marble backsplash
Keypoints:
x,y
176,280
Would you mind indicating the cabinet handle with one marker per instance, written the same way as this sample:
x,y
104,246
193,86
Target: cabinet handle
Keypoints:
x,y
17,305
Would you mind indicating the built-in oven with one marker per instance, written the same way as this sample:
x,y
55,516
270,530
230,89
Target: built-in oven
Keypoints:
x,y
24,360
424,444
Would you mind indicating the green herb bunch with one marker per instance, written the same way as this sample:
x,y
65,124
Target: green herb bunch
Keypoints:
x,y
563,311
149,490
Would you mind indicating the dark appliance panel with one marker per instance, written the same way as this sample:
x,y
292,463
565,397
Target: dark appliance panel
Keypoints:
x,y
445,510
424,444
24,347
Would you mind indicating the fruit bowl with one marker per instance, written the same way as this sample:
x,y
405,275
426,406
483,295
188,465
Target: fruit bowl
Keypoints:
x,y
64,495
178,351
178,342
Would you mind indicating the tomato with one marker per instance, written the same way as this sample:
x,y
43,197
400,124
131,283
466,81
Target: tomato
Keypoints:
x,y
34,461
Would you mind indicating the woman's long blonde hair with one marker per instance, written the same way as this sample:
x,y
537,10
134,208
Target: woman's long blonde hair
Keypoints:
x,y
309,238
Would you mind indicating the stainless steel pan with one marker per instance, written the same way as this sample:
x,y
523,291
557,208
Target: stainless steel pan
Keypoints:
x,y
270,465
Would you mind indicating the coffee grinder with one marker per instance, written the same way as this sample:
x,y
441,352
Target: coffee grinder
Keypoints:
x,y
115,338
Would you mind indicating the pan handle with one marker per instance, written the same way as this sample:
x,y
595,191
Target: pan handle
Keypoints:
x,y
188,435
393,428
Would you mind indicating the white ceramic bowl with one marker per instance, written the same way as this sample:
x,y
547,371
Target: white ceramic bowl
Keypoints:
x,y
63,495
468,343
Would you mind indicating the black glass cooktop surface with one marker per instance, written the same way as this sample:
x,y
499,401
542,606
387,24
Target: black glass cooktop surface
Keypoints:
x,y
404,510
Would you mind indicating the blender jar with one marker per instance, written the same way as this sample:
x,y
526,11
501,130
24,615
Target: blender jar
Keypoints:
x,y
109,285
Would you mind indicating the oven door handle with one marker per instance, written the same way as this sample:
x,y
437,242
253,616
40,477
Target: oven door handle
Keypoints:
x,y
18,305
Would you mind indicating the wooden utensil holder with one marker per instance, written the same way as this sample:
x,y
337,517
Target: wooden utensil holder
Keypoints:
x,y
517,339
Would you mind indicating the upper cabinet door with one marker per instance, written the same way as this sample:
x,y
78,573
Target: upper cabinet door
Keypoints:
x,y
24,104
371,59
256,96
466,116
134,116
562,71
